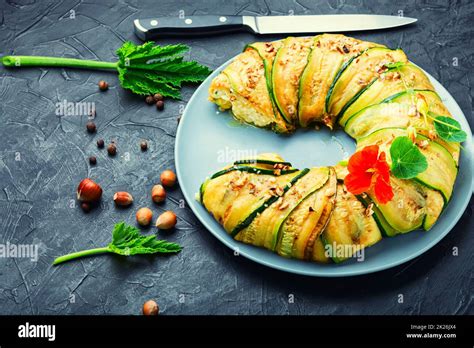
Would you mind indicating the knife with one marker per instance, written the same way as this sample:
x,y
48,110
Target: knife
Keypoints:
x,y
151,28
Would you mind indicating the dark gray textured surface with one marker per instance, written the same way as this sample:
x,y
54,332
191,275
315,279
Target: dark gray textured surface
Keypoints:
x,y
43,157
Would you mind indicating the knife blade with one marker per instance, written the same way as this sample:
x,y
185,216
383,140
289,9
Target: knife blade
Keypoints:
x,y
150,28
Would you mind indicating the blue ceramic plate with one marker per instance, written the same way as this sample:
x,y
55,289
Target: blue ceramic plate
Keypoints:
x,y
207,140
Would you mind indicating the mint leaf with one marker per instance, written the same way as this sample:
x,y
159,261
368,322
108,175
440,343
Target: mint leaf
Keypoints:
x,y
126,240
449,129
407,159
150,69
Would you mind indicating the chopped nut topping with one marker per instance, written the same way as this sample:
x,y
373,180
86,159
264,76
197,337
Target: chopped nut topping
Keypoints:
x,y
380,68
369,211
280,166
269,47
276,191
327,120
423,144
412,110
330,192
284,205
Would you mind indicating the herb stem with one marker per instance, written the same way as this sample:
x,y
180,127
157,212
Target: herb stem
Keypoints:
x,y
82,253
441,122
21,61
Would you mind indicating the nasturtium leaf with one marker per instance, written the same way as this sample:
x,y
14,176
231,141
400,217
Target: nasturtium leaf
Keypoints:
x,y
407,159
449,129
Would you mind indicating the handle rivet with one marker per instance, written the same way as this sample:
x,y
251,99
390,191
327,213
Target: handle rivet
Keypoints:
x,y
222,19
188,21
154,22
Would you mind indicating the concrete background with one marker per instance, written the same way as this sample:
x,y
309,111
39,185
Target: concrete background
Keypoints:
x,y
43,157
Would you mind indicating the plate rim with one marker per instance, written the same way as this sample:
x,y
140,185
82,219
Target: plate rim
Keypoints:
x,y
468,153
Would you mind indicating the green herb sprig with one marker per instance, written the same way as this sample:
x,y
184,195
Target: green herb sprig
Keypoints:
x,y
126,240
144,69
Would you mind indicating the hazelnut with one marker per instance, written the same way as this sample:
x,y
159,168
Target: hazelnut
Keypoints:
x,y
158,193
144,216
88,191
166,221
150,307
143,145
91,127
93,160
168,178
100,143
160,105
103,86
112,149
150,100
158,97
86,207
123,198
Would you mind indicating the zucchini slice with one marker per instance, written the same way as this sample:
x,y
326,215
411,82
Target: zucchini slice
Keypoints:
x,y
350,228
386,229
389,83
267,51
432,98
288,65
263,230
442,170
251,169
413,206
358,73
301,228
262,161
329,198
250,98
329,53
434,208
217,195
246,207
265,160
319,253
406,211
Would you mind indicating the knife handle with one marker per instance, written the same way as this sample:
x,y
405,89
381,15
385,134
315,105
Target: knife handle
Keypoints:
x,y
151,28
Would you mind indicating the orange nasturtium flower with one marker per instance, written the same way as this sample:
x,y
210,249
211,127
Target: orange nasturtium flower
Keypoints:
x,y
369,170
